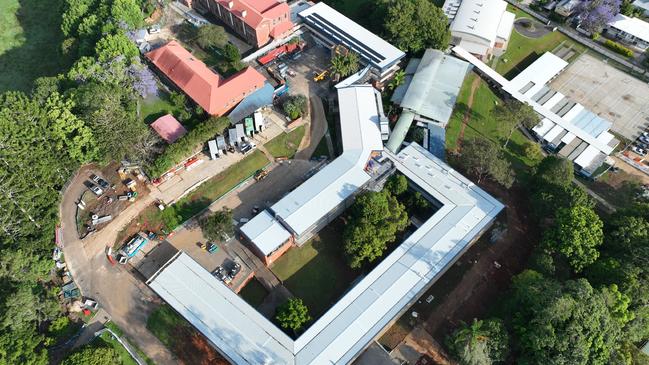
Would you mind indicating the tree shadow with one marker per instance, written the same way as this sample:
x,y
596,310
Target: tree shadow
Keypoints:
x,y
39,52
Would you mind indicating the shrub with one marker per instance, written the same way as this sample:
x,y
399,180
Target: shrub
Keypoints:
x,y
186,145
618,48
295,106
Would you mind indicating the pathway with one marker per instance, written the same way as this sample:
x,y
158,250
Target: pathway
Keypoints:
x,y
317,129
467,113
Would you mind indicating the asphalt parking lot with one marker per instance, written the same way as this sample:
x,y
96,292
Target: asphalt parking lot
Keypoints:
x,y
608,92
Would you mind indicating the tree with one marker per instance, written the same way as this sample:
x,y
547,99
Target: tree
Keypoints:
x,y
212,36
232,59
296,106
293,314
374,220
555,170
116,45
398,79
344,64
563,323
483,342
414,25
596,14
483,158
533,152
218,226
91,355
576,234
396,184
513,114
127,12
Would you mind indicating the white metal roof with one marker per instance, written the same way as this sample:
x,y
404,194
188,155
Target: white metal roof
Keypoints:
x,y
479,18
245,337
361,135
543,127
344,30
540,72
265,232
513,88
634,26
586,157
506,25
233,326
644,5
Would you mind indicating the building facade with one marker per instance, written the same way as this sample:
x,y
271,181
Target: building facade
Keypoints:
x,y
256,21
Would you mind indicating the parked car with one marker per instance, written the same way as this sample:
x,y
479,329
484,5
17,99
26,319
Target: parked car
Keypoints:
x,y
94,178
641,145
236,267
219,273
154,29
96,190
638,150
247,147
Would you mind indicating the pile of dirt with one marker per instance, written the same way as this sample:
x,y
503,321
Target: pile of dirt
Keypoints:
x,y
192,348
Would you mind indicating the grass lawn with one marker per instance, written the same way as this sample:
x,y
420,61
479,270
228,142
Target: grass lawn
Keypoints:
x,y
204,195
154,107
254,293
321,149
618,188
316,272
481,123
123,357
164,323
30,40
522,50
123,353
286,144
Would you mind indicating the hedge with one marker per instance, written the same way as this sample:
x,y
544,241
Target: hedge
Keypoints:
x,y
618,48
186,145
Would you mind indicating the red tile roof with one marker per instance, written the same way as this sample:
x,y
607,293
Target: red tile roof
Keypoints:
x,y
256,10
168,128
213,93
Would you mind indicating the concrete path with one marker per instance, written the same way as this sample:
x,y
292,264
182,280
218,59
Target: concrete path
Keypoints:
x,y
317,129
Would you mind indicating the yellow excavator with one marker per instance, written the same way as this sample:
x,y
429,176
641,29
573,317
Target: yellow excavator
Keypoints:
x,y
320,76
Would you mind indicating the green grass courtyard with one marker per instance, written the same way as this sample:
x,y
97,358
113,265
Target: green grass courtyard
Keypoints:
x,y
286,144
317,271
30,40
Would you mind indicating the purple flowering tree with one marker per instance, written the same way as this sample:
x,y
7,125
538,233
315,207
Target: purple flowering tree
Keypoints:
x,y
595,14
144,82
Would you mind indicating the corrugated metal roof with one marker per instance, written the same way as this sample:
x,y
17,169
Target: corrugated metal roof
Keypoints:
x,y
265,232
435,85
368,45
634,26
479,18
252,102
245,337
359,124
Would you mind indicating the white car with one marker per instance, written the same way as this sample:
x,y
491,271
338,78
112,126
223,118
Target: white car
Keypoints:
x,y
639,150
96,190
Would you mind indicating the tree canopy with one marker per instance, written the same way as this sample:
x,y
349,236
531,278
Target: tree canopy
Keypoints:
x,y
92,355
576,234
293,314
512,114
414,25
374,220
483,342
212,35
596,14
483,159
216,227
343,65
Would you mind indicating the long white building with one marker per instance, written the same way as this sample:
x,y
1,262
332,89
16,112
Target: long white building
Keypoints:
x,y
244,336
566,126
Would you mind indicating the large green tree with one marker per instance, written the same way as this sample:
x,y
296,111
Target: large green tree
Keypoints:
x,y
482,342
567,323
92,355
483,158
576,234
374,220
218,226
512,114
211,35
414,25
293,314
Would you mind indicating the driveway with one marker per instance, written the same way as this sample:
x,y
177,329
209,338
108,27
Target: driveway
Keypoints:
x,y
317,130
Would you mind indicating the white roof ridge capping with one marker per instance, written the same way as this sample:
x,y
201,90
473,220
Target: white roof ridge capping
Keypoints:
x,y
513,90
244,337
361,136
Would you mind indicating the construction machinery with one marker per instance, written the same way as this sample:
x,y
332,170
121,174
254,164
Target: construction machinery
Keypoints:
x,y
320,76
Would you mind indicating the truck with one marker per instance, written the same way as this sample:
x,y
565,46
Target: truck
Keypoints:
x,y
134,245
279,51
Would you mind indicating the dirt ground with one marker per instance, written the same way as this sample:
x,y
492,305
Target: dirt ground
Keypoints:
x,y
194,348
469,288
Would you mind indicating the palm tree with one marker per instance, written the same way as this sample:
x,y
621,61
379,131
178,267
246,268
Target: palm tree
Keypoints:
x,y
343,65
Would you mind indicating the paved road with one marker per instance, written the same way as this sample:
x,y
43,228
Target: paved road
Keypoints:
x,y
317,129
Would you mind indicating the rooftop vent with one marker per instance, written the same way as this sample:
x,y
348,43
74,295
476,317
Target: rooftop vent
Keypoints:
x,y
244,13
231,4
